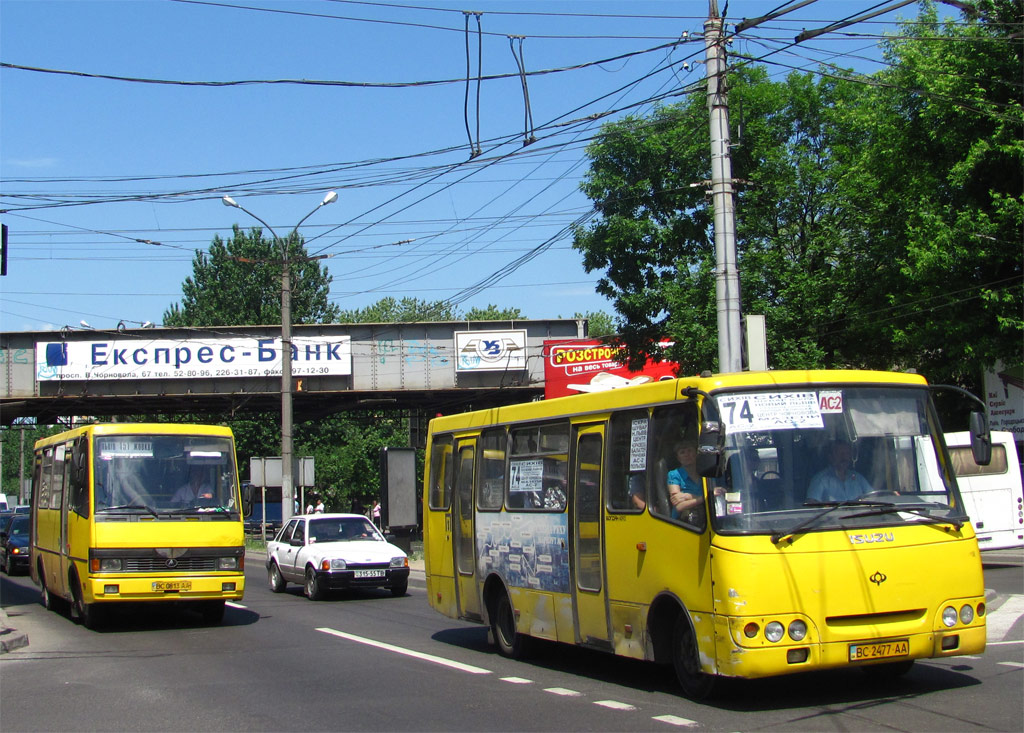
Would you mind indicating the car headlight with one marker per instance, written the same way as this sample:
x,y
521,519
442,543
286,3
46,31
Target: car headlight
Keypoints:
x,y
338,564
949,616
400,562
227,563
110,564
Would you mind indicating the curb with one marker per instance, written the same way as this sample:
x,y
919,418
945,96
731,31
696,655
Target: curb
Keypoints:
x,y
10,638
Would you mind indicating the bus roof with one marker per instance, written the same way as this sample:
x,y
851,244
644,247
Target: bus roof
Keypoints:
x,y
137,427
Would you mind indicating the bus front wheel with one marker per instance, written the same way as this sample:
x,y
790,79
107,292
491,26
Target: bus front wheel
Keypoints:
x,y
696,684
510,642
90,615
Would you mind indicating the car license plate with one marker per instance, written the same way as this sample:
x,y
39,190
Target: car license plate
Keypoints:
x,y
172,585
369,573
879,650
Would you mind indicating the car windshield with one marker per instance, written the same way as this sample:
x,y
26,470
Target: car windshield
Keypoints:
x,y
844,457
158,474
18,525
344,529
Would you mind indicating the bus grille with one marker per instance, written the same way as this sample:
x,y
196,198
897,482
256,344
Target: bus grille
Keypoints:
x,y
157,564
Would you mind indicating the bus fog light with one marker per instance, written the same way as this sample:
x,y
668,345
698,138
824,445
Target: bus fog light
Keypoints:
x,y
227,563
966,614
227,587
796,656
110,564
111,589
773,631
750,630
949,643
949,616
797,630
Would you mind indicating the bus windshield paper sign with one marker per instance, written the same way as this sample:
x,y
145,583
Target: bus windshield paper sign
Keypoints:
x,y
770,411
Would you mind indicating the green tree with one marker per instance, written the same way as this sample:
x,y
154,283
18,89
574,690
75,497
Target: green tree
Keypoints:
x,y
878,224
599,324
493,313
17,453
406,310
239,282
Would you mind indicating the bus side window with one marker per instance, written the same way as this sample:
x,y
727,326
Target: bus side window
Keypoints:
x,y
439,496
626,476
492,469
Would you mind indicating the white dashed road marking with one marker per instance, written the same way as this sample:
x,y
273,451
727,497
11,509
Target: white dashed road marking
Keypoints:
x,y
1000,620
675,720
562,691
517,680
407,652
615,705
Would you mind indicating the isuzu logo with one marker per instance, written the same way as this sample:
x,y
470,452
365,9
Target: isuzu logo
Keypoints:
x,y
866,539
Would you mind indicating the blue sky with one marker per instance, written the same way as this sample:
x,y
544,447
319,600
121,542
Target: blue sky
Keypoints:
x,y
90,166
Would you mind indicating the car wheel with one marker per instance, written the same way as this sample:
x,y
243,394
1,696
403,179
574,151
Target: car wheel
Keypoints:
x,y
275,579
399,589
313,590
510,642
695,683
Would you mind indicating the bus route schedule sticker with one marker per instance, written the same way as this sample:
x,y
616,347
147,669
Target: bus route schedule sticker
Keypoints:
x,y
770,411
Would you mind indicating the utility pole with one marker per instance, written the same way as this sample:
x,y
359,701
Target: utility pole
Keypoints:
x,y
727,276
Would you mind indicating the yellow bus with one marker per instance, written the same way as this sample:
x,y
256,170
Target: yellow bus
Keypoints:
x,y
571,520
137,512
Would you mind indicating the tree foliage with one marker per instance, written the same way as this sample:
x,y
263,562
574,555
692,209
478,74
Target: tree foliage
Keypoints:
x,y
239,282
878,224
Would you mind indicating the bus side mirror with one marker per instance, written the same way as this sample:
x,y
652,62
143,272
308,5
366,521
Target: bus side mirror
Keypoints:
x,y
711,444
981,438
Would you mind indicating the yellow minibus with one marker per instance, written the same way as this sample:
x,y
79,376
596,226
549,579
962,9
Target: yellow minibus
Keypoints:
x,y
735,525
137,512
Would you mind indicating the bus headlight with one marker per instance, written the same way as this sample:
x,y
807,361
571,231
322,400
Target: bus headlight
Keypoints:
x,y
797,630
773,631
399,562
338,564
227,563
110,564
949,616
966,614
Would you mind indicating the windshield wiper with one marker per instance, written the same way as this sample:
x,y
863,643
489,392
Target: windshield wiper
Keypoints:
x,y
921,511
830,507
122,507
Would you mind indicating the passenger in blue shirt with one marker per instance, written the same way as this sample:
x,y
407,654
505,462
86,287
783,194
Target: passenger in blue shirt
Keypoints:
x,y
838,481
684,491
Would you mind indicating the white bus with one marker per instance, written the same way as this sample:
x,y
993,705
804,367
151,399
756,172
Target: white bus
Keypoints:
x,y
993,494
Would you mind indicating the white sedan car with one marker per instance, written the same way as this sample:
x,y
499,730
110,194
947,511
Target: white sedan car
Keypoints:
x,y
328,552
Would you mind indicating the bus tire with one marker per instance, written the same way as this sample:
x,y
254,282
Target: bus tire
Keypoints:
x,y
314,591
510,642
212,612
90,615
275,580
696,684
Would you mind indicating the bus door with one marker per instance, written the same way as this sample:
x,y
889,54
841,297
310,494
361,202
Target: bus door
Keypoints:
x,y
589,599
464,538
59,487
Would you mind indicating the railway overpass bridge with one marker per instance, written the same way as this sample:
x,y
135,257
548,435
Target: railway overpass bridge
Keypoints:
x,y
234,371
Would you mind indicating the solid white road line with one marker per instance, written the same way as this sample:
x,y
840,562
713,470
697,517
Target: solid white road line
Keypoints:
x,y
407,652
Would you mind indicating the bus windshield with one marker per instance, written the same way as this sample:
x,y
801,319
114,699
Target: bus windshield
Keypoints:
x,y
161,474
846,457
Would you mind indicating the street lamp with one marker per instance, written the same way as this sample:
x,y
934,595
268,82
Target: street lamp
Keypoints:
x,y
287,481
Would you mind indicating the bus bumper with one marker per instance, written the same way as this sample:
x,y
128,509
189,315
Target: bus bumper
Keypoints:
x,y
192,588
752,663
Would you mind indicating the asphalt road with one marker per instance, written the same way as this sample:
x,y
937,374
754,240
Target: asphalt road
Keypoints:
x,y
368,661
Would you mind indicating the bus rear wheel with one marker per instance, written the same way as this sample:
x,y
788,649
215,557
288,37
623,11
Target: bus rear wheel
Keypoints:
x,y
696,684
510,642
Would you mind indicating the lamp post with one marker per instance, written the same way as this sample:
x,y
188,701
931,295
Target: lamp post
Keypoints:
x,y
287,481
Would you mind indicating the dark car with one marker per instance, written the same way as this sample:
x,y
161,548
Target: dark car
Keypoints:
x,y
14,544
